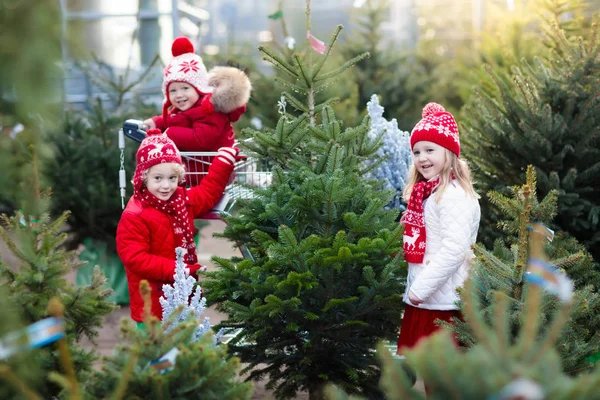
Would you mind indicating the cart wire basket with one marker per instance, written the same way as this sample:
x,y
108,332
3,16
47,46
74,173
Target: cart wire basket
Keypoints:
x,y
249,172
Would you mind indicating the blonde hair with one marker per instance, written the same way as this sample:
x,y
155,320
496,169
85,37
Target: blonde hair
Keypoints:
x,y
453,164
179,169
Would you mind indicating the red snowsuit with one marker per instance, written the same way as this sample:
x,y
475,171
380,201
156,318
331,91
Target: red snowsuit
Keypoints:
x,y
200,128
146,241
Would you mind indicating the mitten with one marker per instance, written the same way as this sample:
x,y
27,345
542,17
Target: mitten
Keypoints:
x,y
194,268
227,155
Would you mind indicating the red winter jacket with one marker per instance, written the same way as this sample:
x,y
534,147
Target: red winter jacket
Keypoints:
x,y
146,242
200,128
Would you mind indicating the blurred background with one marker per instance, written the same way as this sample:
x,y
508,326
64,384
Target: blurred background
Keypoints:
x,y
129,34
75,70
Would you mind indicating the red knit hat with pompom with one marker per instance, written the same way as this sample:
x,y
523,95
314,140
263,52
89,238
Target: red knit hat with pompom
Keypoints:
x,y
186,66
437,126
156,148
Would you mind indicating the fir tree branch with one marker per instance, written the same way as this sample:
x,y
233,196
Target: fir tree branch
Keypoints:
x,y
320,167
297,104
330,124
553,332
123,91
531,315
323,59
303,73
524,222
391,374
56,309
126,374
17,383
290,85
10,243
501,322
277,61
319,107
284,29
474,319
530,320
342,68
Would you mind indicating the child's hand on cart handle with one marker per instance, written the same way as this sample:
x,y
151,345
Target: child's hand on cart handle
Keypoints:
x,y
148,124
227,154
195,268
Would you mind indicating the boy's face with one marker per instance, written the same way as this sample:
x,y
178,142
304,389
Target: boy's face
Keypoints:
x,y
182,95
162,180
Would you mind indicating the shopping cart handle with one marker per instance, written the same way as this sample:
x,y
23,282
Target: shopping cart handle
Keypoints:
x,y
133,129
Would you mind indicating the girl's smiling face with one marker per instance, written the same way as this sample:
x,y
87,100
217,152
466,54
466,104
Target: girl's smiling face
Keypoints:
x,y
429,158
162,180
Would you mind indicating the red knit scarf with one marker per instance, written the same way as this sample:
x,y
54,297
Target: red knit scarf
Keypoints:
x,y
414,221
175,206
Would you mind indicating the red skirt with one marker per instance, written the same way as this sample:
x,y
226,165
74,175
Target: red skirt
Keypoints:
x,y
418,323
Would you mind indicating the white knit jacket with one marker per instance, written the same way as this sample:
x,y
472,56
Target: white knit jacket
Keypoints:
x,y
451,228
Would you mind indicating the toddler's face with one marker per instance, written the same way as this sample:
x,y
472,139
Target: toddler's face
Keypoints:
x,y
162,180
182,95
429,158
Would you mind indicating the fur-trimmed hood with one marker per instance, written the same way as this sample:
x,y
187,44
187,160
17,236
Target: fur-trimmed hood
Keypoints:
x,y
231,88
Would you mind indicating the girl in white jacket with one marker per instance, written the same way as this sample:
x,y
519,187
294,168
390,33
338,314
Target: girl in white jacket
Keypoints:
x,y
441,223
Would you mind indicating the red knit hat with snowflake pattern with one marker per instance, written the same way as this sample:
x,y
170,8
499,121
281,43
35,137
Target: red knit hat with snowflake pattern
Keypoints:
x,y
156,148
186,66
437,126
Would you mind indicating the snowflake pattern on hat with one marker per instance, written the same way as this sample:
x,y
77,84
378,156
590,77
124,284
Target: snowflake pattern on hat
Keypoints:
x,y
437,126
186,66
156,148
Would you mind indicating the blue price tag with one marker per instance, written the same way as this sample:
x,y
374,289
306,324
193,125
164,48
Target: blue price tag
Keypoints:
x,y
37,334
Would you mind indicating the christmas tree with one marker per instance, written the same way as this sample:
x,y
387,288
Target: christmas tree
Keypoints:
x,y
12,325
34,265
321,286
503,269
36,242
27,75
22,346
509,361
177,359
184,299
547,117
395,152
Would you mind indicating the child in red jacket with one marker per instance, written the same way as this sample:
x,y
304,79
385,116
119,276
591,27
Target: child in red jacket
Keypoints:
x,y
159,216
199,106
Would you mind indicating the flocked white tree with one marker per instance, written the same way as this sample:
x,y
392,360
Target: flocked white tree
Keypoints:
x,y
178,294
395,149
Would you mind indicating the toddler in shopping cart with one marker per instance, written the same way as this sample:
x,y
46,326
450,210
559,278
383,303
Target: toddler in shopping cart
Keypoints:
x,y
199,106
159,216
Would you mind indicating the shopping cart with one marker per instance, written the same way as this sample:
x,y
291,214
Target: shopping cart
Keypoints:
x,y
248,173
